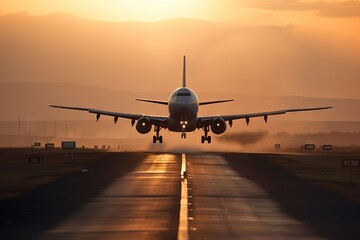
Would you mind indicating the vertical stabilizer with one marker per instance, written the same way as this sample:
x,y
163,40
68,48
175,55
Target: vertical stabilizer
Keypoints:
x,y
184,72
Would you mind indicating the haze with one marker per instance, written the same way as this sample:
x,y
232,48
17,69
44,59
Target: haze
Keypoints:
x,y
251,47
107,53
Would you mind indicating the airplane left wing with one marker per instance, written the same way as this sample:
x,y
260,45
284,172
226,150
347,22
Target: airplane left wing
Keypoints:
x,y
207,120
155,120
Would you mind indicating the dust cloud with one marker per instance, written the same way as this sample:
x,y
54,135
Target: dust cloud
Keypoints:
x,y
245,138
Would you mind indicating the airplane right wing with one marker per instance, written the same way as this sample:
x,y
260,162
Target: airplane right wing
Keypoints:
x,y
204,121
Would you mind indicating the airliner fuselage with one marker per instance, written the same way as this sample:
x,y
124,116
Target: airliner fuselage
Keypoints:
x,y
183,110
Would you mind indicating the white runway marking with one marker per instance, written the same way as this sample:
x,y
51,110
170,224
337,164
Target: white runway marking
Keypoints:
x,y
183,231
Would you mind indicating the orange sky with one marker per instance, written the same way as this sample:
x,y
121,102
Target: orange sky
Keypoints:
x,y
277,47
340,16
259,11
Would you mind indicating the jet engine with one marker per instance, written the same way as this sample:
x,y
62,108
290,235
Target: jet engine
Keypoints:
x,y
143,125
218,125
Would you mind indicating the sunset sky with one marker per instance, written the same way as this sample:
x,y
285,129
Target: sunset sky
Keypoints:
x,y
335,15
272,47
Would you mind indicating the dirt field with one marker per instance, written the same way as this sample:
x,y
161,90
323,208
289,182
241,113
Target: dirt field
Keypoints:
x,y
323,170
18,176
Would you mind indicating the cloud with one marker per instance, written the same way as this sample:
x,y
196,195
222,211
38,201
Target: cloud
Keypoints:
x,y
325,9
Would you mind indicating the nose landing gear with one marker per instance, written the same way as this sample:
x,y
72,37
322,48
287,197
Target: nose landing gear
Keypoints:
x,y
183,125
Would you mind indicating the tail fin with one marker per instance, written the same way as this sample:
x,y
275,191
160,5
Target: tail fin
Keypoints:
x,y
184,72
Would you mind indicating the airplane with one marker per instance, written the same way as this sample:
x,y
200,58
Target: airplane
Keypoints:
x,y
183,105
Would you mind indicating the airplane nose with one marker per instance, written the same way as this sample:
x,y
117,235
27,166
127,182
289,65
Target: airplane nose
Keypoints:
x,y
183,111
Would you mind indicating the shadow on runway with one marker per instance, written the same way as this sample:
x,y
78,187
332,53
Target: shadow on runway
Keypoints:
x,y
28,215
323,211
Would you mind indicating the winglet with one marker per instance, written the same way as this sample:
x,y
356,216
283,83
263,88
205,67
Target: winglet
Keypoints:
x,y
184,72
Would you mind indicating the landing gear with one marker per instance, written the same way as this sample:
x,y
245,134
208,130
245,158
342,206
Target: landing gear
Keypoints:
x,y
183,135
206,137
157,137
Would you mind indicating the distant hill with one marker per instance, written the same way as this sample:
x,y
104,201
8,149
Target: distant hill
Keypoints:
x,y
30,101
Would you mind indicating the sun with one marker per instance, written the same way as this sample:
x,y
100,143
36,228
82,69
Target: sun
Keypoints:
x,y
153,10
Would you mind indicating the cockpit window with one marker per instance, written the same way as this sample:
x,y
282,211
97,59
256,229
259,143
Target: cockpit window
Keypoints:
x,y
183,94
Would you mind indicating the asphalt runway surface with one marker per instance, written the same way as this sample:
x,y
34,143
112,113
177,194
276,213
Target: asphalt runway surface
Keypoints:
x,y
137,196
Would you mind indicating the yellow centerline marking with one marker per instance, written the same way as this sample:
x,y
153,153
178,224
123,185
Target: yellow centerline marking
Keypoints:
x,y
183,230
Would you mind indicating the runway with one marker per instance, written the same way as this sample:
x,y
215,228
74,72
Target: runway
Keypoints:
x,y
137,196
242,196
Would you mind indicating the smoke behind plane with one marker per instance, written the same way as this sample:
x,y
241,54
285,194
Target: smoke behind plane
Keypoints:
x,y
261,139
245,138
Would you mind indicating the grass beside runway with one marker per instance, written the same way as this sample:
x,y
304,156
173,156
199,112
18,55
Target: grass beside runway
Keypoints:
x,y
18,176
323,170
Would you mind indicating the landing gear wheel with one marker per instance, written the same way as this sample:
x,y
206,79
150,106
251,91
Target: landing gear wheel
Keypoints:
x,y
205,137
157,137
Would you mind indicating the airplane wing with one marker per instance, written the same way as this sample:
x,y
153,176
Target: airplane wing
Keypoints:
x,y
207,120
156,120
218,101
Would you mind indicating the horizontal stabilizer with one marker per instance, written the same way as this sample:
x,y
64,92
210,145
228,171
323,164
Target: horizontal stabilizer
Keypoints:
x,y
152,101
213,102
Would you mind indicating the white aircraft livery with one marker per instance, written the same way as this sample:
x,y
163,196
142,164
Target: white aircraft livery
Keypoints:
x,y
183,116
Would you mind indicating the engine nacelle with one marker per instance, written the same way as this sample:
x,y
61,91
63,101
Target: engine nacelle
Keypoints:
x,y
218,125
143,125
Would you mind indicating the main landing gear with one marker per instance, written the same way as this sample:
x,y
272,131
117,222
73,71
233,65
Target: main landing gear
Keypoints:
x,y
157,137
206,138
